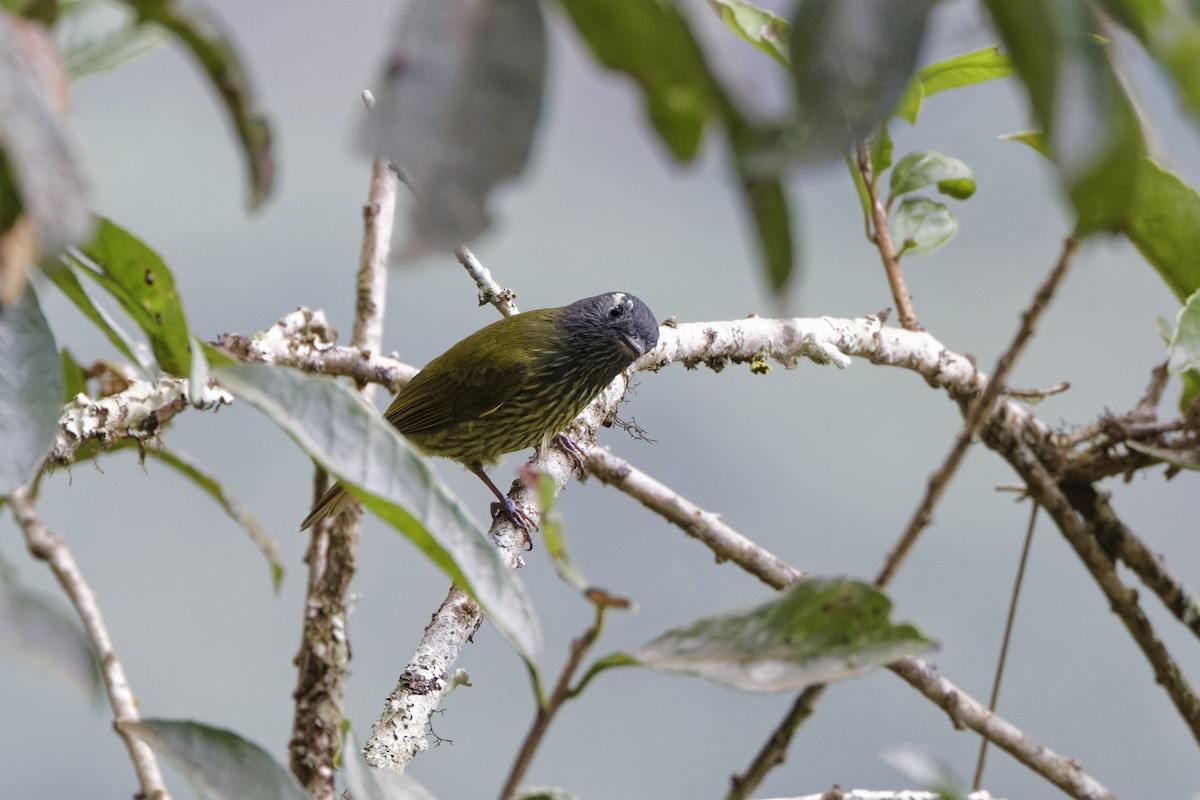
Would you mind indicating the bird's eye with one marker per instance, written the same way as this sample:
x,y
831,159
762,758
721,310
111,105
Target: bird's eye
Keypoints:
x,y
615,312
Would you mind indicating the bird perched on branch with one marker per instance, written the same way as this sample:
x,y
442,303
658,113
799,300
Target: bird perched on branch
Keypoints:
x,y
514,384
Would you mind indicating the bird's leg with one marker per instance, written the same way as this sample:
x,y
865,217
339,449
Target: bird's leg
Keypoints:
x,y
576,453
516,516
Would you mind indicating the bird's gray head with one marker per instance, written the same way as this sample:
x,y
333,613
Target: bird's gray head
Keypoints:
x,y
617,320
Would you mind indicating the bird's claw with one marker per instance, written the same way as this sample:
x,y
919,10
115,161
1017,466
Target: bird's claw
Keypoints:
x,y
574,452
520,520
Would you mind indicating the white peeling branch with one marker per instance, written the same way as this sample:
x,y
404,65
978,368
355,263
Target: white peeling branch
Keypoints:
x,y
51,548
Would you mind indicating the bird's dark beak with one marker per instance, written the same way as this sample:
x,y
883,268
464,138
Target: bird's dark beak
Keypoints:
x,y
635,345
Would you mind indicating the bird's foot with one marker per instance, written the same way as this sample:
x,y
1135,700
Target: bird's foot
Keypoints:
x,y
574,452
520,520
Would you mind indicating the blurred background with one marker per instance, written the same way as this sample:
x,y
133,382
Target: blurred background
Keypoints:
x,y
821,466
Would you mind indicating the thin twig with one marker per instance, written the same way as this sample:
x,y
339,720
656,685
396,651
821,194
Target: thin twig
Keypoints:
x,y
47,545
324,655
546,711
979,411
1008,626
490,291
882,238
774,750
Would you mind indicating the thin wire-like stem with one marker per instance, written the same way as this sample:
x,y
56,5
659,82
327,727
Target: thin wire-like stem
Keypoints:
x,y
50,547
978,413
881,236
1008,627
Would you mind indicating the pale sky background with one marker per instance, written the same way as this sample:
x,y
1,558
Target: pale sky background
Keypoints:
x,y
821,466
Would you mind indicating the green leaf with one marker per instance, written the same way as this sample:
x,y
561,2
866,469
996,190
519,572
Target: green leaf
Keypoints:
x,y
1170,32
816,631
1092,130
555,536
881,152
850,65
73,375
1184,459
922,225
757,26
63,276
768,205
1164,225
142,283
1185,343
652,43
1034,139
34,628
218,764
96,37
203,34
352,441
918,170
978,66
31,391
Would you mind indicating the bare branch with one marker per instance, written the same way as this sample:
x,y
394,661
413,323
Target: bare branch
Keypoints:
x,y
490,290
47,545
881,236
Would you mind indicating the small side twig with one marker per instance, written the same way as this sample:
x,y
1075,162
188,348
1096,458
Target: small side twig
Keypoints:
x,y
490,290
978,412
47,545
881,236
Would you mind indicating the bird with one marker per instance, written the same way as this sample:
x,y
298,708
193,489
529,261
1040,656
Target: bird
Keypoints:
x,y
512,385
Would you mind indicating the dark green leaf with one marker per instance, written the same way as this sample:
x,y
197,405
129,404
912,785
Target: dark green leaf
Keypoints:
x,y
142,283
1092,130
65,279
769,210
851,60
977,66
1164,225
218,764
352,441
34,628
201,33
816,631
881,152
1170,32
31,391
918,170
653,44
757,26
74,378
922,225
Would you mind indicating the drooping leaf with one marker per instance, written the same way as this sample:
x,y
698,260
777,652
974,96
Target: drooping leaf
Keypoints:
x,y
771,215
757,26
977,66
1092,130
352,441
851,60
31,391
368,783
556,540
816,631
63,276
1033,139
142,283
918,170
922,225
460,101
101,35
1170,32
35,629
653,44
214,50
1164,225
218,764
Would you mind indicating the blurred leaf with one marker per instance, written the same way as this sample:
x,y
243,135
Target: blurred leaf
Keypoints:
x,y
218,764
63,276
851,60
1091,127
544,793
1184,459
1170,32
1185,343
978,66
918,170
555,536
652,43
208,483
769,210
816,631
757,26
926,770
368,783
142,283
73,375
881,153
100,35
41,176
1164,225
1032,138
43,11
212,47
31,391
922,225
456,114
34,628
352,441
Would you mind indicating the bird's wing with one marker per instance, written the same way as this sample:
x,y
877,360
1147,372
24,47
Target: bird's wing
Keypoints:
x,y
435,400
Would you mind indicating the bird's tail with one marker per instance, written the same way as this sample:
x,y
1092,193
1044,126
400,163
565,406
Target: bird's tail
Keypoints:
x,y
329,506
